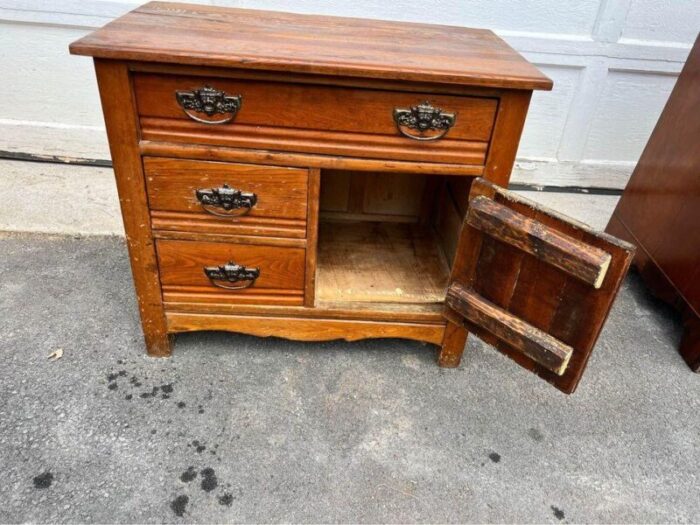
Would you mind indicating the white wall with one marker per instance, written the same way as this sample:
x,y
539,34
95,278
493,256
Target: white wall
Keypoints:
x,y
613,62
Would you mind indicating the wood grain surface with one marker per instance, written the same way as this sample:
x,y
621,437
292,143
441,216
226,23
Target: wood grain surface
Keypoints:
x,y
303,160
182,265
242,38
302,329
536,292
122,130
536,344
281,197
574,257
379,262
315,118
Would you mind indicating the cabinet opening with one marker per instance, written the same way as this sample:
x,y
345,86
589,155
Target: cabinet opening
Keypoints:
x,y
387,238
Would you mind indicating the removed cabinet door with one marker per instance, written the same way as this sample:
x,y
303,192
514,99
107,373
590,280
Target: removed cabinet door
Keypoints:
x,y
535,284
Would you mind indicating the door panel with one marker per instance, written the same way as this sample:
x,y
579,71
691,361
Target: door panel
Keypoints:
x,y
535,284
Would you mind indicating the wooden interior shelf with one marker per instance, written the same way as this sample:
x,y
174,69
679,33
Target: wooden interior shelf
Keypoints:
x,y
379,262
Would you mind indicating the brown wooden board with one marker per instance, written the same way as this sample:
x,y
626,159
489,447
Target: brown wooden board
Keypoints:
x,y
379,262
280,193
182,264
122,128
525,297
666,181
318,93
273,41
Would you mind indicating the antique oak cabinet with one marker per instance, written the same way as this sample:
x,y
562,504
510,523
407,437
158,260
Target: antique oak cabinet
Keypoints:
x,y
323,178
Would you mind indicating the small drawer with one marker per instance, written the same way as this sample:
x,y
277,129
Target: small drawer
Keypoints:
x,y
224,198
311,118
212,272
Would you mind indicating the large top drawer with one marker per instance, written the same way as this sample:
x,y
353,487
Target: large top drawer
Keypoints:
x,y
311,118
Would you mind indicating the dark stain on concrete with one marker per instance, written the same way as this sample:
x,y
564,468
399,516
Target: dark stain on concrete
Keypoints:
x,y
198,446
128,397
112,377
152,393
43,481
558,513
188,475
167,389
495,457
113,386
535,434
179,505
209,481
181,404
226,499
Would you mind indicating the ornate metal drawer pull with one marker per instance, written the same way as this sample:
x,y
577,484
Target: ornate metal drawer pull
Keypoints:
x,y
211,102
227,198
232,276
423,117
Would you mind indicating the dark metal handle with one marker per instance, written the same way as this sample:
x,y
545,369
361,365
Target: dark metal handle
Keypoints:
x,y
233,274
227,198
211,102
423,117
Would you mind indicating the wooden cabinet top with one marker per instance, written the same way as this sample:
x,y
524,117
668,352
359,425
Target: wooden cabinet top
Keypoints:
x,y
351,47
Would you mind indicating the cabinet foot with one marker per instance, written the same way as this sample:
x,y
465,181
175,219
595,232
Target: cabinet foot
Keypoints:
x,y
452,346
690,344
159,345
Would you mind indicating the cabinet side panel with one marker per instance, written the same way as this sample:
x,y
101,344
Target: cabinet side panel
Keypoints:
x,y
122,130
510,119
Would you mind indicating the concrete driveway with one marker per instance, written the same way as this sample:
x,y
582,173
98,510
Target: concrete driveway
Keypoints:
x,y
240,429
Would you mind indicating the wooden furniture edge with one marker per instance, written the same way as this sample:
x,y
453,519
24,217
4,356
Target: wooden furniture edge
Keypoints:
x,y
663,288
118,106
302,160
538,345
313,203
95,44
305,329
570,255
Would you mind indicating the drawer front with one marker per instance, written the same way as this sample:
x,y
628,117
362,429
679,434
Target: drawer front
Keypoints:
x,y
201,196
279,280
312,118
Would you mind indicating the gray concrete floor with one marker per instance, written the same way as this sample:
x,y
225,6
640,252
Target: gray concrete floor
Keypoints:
x,y
236,428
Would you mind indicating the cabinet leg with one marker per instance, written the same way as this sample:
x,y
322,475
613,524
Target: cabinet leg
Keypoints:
x,y
452,345
690,343
158,344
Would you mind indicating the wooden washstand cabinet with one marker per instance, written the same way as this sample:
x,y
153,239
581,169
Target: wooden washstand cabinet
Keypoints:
x,y
313,178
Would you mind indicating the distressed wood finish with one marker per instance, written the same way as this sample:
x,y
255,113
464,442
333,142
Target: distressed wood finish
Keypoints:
x,y
356,225
273,41
572,256
122,131
379,262
658,211
281,193
511,284
534,343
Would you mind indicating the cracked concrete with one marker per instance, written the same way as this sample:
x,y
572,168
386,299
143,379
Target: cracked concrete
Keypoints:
x,y
237,428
